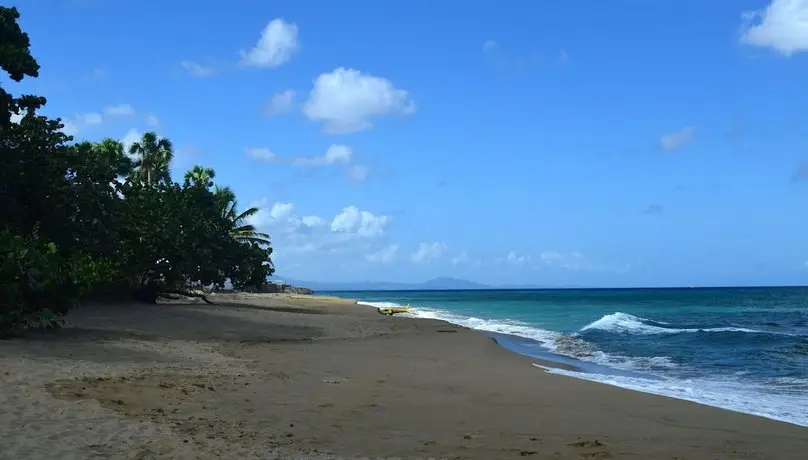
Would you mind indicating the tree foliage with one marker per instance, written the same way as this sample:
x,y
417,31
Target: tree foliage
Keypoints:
x,y
91,219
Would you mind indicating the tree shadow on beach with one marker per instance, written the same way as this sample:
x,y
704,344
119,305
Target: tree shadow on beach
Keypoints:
x,y
99,333
278,309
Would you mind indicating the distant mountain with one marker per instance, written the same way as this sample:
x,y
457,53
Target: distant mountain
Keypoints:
x,y
452,283
436,284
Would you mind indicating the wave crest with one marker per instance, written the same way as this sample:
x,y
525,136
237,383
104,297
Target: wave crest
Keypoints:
x,y
624,323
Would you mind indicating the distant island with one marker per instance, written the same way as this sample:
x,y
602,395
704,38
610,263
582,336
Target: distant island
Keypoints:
x,y
436,284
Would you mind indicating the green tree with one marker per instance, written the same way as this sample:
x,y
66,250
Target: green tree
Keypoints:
x,y
154,159
84,219
16,61
240,228
200,176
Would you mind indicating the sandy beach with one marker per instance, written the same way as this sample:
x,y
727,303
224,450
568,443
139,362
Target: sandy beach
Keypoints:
x,y
284,376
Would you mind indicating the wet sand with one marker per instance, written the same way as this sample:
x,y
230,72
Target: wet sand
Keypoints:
x,y
288,377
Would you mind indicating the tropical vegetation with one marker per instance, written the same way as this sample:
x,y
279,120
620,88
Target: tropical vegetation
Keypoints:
x,y
82,220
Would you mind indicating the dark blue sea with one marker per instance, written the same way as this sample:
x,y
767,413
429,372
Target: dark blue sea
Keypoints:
x,y
743,349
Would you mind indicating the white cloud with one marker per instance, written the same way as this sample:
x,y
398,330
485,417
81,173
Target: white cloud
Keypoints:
x,y
335,154
312,221
130,138
516,259
277,44
196,69
17,117
782,26
383,255
429,252
460,258
73,125
350,230
152,121
119,110
358,173
261,153
280,103
362,223
677,140
91,118
69,128
346,101
282,211
571,260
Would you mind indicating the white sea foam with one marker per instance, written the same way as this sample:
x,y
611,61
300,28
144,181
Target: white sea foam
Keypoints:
x,y
734,396
629,324
555,342
505,326
785,405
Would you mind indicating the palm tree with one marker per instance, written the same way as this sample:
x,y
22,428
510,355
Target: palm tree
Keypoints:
x,y
199,176
155,155
240,230
112,152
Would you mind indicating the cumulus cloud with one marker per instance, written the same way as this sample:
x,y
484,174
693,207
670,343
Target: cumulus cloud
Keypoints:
x,y
351,229
461,258
69,128
198,70
261,153
346,101
362,223
130,138
91,118
678,139
781,26
76,123
336,153
384,255
280,103
277,44
119,110
516,259
358,173
429,252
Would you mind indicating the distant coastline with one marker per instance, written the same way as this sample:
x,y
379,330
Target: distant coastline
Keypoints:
x,y
456,284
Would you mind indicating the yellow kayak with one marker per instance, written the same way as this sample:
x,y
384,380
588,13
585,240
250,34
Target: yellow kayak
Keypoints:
x,y
392,311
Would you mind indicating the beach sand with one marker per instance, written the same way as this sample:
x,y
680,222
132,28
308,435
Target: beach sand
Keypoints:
x,y
284,376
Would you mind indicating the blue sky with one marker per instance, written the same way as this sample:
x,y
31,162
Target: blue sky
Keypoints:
x,y
620,143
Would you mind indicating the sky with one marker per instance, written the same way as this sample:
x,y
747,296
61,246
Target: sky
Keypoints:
x,y
576,143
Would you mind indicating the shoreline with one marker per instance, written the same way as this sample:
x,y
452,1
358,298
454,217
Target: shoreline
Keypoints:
x,y
285,376
571,367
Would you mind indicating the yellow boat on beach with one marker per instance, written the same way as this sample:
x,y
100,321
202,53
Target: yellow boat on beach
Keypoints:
x,y
393,310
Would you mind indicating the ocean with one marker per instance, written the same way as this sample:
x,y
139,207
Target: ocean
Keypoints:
x,y
742,349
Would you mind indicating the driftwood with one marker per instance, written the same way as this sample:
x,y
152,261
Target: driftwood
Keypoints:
x,y
174,295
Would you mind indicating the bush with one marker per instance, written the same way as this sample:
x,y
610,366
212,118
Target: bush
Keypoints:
x,y
37,284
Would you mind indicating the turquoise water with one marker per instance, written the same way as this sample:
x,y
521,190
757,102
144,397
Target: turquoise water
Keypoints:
x,y
743,349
